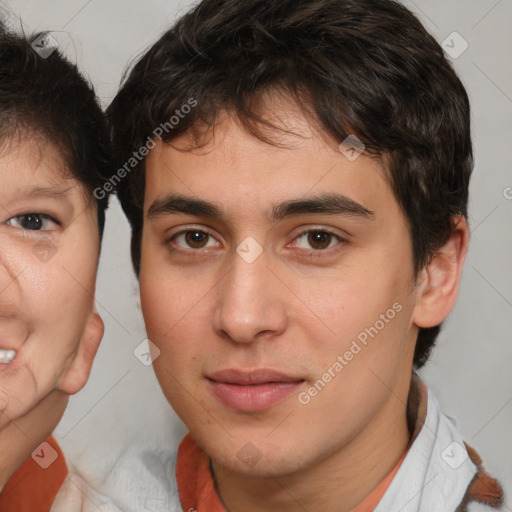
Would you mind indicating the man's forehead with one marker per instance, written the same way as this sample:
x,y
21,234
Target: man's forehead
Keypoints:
x,y
279,122
218,172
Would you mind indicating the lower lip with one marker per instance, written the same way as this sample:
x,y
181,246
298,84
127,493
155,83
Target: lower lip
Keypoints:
x,y
253,398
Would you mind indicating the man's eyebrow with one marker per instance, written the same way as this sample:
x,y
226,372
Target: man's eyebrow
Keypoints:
x,y
50,191
182,204
330,204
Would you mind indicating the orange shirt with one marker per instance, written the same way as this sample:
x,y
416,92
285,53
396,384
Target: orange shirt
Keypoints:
x,y
197,489
35,484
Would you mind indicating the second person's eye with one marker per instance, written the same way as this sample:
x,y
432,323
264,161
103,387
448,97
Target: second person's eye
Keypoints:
x,y
33,222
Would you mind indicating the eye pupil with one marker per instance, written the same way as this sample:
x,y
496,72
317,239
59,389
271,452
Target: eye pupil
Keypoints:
x,y
33,222
196,239
319,239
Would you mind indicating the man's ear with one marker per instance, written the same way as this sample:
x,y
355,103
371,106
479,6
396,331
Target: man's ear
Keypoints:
x,y
77,374
438,282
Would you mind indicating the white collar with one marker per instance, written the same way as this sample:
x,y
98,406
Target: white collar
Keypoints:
x,y
437,470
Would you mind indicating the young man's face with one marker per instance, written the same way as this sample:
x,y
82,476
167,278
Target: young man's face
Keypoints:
x,y
262,267
49,246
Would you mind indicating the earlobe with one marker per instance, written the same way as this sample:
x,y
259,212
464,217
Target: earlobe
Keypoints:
x,y
77,374
439,281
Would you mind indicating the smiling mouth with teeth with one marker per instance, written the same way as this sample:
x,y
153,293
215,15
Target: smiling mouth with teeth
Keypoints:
x,y
6,356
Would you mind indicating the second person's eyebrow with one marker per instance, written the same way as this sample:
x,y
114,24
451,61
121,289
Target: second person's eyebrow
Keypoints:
x,y
50,191
330,204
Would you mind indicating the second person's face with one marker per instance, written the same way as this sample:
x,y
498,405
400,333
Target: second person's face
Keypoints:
x,y
49,246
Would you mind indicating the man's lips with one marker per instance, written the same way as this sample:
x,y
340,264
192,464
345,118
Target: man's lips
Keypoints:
x,y
251,377
253,390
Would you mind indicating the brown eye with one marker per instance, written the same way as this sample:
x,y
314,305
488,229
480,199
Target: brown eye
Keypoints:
x,y
196,239
319,239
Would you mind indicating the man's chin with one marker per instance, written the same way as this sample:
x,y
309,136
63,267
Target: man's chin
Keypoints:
x,y
257,458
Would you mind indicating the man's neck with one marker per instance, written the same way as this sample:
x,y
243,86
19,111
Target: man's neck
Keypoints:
x,y
338,483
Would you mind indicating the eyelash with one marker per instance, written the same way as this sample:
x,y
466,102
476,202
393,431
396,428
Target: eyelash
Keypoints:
x,y
43,216
306,252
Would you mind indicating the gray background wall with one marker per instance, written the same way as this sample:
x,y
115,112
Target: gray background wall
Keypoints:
x,y
471,368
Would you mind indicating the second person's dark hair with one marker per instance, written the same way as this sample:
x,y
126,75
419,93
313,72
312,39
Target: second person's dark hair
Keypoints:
x,y
49,97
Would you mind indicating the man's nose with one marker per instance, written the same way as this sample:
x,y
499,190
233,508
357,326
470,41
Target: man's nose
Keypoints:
x,y
250,302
